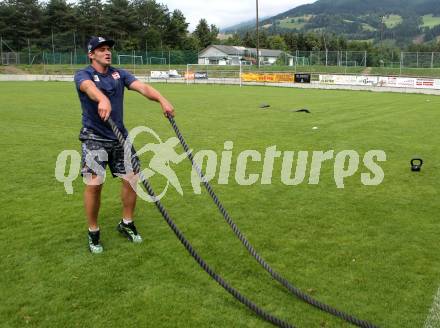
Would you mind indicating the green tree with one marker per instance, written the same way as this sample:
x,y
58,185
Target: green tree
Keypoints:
x,y
249,40
263,37
291,40
4,12
214,32
151,18
205,34
20,22
276,42
234,40
192,43
313,42
59,17
120,21
176,30
91,20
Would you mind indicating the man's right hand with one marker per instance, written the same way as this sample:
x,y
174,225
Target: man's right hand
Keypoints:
x,y
104,108
104,105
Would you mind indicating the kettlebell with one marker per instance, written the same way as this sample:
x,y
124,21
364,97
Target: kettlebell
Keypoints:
x,y
416,164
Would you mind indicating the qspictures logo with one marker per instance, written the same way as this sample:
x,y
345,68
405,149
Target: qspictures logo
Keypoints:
x,y
165,156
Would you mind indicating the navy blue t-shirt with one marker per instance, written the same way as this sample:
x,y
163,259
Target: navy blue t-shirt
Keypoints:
x,y
112,85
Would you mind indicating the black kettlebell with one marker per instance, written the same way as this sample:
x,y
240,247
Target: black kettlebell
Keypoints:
x,y
416,164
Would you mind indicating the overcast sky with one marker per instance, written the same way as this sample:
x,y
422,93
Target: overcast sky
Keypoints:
x,y
225,13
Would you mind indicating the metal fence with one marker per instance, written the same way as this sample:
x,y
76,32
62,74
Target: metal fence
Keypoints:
x,y
176,57
420,59
330,58
301,59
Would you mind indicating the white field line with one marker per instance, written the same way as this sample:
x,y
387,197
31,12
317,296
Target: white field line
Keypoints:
x,y
433,319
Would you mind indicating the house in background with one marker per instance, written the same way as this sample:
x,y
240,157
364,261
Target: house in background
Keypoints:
x,y
231,55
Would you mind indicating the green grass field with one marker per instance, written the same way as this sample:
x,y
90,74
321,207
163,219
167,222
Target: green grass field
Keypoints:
x,y
368,27
430,21
295,22
371,251
392,20
416,72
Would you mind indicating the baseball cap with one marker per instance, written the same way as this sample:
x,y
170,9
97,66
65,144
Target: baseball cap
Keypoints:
x,y
98,41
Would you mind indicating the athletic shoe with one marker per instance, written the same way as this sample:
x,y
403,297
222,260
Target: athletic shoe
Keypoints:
x,y
129,231
94,245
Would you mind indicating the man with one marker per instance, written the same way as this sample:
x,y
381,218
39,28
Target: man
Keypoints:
x,y
101,93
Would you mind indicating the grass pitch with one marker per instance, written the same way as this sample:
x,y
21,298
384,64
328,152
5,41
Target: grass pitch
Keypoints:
x,y
392,20
430,21
371,251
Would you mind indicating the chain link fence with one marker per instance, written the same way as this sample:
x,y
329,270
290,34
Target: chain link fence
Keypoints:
x,y
420,59
424,63
175,57
331,58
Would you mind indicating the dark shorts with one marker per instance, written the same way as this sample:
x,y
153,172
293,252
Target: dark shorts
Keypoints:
x,y
96,154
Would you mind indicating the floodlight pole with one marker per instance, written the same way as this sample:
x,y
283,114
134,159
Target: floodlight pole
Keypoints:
x,y
53,49
74,43
401,62
258,38
134,61
29,52
241,71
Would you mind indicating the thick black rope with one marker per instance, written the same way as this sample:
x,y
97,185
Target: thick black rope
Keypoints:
x,y
129,149
294,290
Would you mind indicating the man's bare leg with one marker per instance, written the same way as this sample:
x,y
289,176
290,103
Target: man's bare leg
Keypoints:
x,y
128,197
92,201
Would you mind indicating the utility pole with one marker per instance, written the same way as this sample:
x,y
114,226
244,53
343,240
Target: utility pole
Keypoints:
x,y
53,49
74,45
258,38
146,51
326,50
29,52
1,50
381,27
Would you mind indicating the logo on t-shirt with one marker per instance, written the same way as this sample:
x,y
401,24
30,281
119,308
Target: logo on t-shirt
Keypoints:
x,y
96,78
116,75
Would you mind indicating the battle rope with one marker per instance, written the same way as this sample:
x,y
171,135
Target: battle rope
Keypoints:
x,y
129,149
295,290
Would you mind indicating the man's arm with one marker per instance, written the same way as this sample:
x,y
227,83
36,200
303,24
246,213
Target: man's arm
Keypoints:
x,y
152,94
104,106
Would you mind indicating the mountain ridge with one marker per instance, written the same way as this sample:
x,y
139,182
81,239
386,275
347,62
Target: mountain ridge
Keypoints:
x,y
401,21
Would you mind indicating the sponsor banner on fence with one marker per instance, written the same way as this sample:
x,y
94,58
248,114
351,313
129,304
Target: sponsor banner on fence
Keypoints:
x,y
164,74
159,75
348,79
173,73
397,82
409,82
196,75
422,83
267,77
200,75
381,81
189,76
303,78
